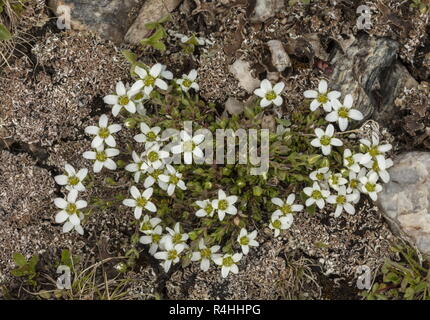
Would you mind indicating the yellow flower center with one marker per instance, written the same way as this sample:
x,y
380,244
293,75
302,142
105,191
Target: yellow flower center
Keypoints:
x,y
177,238
277,224
145,226
320,176
340,200
151,136
141,202
343,112
101,156
244,241
375,166
156,238
286,209
187,83
104,133
153,156
271,95
325,140
172,255
149,81
73,180
374,151
316,194
156,173
370,187
322,98
334,180
71,208
227,262
123,100
206,253
223,205
173,179
189,146
353,184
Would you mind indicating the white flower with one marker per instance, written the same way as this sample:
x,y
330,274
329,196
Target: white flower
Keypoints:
x,y
151,79
269,94
321,175
140,201
72,179
148,224
369,186
382,173
351,161
224,205
149,136
228,263
322,97
153,239
175,235
102,158
189,81
171,254
70,214
155,157
170,180
279,223
354,185
336,180
189,146
287,207
122,99
316,195
103,133
247,240
138,166
205,255
342,201
374,151
206,208
325,140
192,40
343,112
153,175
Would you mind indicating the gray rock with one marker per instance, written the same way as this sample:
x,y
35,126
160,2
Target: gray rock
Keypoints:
x,y
265,9
242,71
368,69
110,18
405,200
280,58
152,10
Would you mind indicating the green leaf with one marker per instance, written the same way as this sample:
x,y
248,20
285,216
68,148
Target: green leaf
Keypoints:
x,y
19,259
129,56
159,46
5,35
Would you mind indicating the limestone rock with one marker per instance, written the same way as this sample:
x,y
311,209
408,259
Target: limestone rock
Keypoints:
x,y
405,200
369,70
110,18
152,10
280,58
242,72
265,9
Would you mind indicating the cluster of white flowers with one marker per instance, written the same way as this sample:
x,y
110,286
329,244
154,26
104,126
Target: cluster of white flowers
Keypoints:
x,y
283,218
153,167
70,206
362,170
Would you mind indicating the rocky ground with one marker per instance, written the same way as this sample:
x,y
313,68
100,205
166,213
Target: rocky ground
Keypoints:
x,y
53,88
